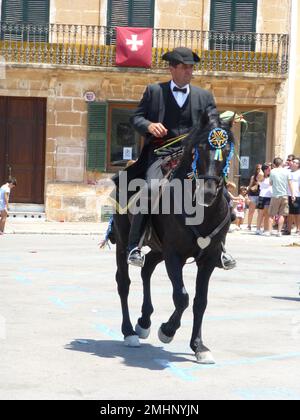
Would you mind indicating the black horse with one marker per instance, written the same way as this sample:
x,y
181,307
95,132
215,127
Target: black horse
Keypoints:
x,y
206,156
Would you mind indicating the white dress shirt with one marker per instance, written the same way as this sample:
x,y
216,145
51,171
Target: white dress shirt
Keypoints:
x,y
180,97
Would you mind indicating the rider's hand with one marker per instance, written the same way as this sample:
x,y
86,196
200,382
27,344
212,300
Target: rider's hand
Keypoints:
x,y
157,130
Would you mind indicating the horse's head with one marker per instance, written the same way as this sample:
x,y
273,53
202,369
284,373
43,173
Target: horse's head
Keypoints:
x,y
208,153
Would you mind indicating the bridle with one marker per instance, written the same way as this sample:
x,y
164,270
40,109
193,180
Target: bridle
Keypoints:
x,y
220,185
218,138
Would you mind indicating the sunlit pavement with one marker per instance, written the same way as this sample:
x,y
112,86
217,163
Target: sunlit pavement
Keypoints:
x,y
60,323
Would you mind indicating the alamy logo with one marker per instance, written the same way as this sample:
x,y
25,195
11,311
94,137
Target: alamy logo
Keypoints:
x,y
160,196
2,328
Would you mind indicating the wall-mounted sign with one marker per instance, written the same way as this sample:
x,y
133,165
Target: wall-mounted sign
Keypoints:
x,y
245,162
89,96
127,153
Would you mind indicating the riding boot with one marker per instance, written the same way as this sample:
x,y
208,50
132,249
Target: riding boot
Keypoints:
x,y
138,225
227,261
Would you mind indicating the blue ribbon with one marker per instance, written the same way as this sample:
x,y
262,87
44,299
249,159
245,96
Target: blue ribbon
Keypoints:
x,y
228,160
196,160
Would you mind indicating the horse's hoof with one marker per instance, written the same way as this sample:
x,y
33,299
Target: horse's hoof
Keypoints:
x,y
143,333
132,341
205,357
164,338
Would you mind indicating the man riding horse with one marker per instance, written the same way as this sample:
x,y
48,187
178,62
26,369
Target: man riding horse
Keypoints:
x,y
167,110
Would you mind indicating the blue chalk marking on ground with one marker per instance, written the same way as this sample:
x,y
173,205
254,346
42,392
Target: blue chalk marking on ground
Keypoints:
x,y
181,373
23,279
246,361
187,374
58,302
253,394
109,332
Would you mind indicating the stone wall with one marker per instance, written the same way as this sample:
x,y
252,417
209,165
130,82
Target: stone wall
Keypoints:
x,y
76,202
184,14
68,193
78,12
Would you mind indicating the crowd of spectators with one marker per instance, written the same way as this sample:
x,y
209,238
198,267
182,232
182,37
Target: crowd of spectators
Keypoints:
x,y
273,196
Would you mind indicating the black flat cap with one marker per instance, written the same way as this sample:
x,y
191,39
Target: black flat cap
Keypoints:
x,y
181,55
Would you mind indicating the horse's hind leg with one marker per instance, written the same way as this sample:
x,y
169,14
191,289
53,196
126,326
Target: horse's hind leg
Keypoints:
x,y
122,277
202,353
143,325
174,267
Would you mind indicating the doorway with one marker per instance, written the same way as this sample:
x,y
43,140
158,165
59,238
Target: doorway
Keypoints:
x,y
254,144
22,147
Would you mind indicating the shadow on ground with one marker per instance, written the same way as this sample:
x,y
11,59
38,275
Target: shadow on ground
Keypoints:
x,y
146,356
294,299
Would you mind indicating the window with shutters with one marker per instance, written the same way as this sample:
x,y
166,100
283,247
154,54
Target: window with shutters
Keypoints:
x,y
97,136
123,141
28,19
235,16
111,140
132,13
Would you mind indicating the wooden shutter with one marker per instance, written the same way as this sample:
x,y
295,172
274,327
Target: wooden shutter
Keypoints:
x,y
142,13
12,11
25,11
96,137
117,13
233,15
220,15
35,12
135,13
245,14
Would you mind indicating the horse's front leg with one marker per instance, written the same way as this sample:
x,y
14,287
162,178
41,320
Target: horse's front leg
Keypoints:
x,y
143,325
174,266
202,353
131,339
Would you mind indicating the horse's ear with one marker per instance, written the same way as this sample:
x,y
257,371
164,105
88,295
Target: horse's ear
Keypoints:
x,y
213,118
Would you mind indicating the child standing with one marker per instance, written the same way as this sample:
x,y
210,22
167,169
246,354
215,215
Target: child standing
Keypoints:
x,y
241,203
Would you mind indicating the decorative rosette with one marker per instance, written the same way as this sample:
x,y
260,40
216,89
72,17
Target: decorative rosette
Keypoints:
x,y
218,138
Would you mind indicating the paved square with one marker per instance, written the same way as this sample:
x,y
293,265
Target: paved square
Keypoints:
x,y
60,324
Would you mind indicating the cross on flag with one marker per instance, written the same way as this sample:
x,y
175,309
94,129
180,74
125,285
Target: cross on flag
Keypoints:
x,y
134,47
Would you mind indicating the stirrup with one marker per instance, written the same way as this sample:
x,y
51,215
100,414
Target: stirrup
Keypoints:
x,y
136,258
227,261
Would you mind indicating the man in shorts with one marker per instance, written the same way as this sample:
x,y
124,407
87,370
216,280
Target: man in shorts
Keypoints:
x,y
279,206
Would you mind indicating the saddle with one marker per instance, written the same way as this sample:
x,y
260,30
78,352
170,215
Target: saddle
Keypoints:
x,y
169,159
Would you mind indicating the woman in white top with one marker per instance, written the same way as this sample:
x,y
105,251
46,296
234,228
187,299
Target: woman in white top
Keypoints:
x,y
265,195
4,199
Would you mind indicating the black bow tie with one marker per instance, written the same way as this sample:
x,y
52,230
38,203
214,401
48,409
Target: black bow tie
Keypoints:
x,y
177,89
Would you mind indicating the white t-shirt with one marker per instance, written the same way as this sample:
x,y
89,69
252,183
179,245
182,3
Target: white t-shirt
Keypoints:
x,y
3,190
265,189
295,178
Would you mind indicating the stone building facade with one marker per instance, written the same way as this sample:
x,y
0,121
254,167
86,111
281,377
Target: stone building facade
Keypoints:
x,y
72,192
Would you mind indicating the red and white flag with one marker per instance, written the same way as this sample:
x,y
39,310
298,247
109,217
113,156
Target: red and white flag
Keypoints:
x,y
134,47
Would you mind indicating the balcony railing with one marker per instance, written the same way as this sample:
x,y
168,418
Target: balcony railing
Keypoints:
x,y
59,44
